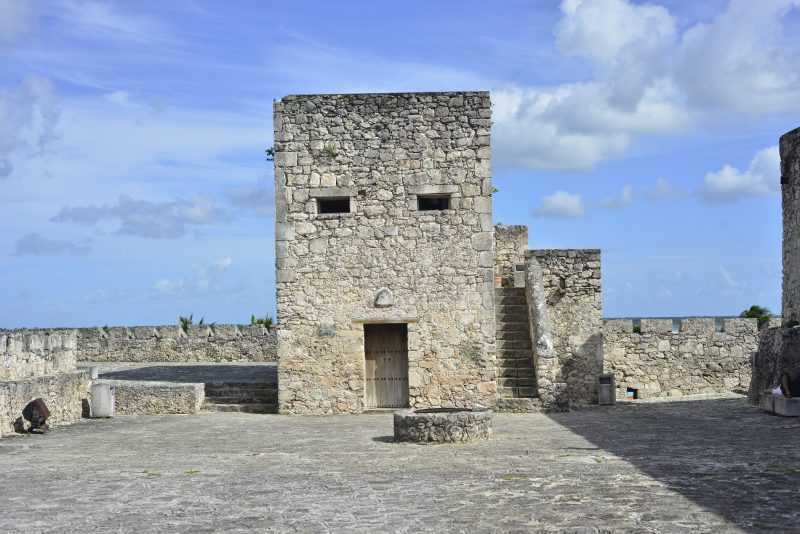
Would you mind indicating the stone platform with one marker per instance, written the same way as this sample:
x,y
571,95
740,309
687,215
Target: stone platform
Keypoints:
x,y
709,466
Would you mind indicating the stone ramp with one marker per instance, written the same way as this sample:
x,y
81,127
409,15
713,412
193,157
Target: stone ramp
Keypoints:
x,y
229,387
516,378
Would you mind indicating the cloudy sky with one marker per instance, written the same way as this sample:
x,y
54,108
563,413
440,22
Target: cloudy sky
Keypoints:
x,y
133,186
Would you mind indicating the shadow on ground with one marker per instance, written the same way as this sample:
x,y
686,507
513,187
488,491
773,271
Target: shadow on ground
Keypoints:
x,y
263,374
725,455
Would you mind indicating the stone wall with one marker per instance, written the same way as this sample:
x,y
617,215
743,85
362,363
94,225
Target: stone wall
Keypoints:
x,y
686,357
778,351
29,353
511,243
63,393
156,398
790,190
564,294
385,260
213,343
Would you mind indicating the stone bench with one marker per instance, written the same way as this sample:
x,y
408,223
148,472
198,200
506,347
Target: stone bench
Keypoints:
x,y
780,405
156,398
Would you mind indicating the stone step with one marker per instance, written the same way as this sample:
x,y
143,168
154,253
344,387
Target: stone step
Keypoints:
x,y
511,317
514,372
510,301
514,344
251,407
515,354
509,290
512,393
244,397
516,382
228,389
513,335
512,327
519,405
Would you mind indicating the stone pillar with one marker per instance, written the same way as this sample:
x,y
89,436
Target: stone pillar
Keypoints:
x,y
511,242
790,189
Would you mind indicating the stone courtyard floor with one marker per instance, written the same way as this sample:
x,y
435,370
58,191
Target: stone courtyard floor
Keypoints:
x,y
703,466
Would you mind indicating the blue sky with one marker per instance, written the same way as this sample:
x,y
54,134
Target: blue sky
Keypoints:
x,y
133,186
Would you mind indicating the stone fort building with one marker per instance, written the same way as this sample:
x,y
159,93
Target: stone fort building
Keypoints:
x,y
394,287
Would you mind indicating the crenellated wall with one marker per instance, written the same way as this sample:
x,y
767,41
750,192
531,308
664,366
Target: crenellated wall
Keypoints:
x,y
212,343
30,353
667,358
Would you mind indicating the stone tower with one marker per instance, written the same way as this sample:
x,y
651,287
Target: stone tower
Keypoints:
x,y
385,251
790,190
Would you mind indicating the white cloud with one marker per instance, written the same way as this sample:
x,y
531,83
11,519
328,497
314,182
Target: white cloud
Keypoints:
x,y
104,19
663,189
158,220
258,197
15,19
38,245
729,184
29,115
727,278
621,201
205,279
648,78
560,204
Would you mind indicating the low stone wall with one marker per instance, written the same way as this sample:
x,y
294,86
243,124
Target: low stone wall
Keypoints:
x,y
214,343
156,398
778,351
63,393
666,359
31,353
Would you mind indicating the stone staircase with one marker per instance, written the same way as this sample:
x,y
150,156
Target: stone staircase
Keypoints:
x,y
247,397
516,378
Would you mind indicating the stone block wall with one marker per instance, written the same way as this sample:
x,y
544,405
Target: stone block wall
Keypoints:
x,y
156,398
385,260
62,392
778,351
564,294
29,353
511,243
685,357
790,192
212,343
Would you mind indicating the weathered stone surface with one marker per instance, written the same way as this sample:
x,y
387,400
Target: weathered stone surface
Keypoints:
x,y
693,359
566,309
712,466
511,243
388,149
442,426
778,352
29,353
63,393
790,194
213,343
156,398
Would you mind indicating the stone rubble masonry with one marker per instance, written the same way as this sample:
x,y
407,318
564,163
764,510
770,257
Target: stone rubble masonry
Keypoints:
x,y
31,353
778,351
212,343
382,151
156,398
790,191
696,359
62,392
511,243
564,294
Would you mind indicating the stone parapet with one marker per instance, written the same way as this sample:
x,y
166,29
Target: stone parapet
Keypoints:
x,y
28,353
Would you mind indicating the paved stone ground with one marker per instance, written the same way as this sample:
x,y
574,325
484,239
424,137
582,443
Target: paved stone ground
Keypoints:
x,y
710,466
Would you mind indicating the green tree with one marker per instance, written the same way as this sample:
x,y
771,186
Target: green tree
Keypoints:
x,y
265,321
757,312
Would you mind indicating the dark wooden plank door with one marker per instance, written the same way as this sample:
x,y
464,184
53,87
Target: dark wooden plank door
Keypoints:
x,y
386,365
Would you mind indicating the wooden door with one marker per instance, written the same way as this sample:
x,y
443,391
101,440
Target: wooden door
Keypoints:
x,y
386,352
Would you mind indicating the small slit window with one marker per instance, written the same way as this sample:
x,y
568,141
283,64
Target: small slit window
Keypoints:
x,y
333,205
433,202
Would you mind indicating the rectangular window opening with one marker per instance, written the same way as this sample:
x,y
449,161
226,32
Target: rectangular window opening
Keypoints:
x,y
719,324
433,202
631,393
333,205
